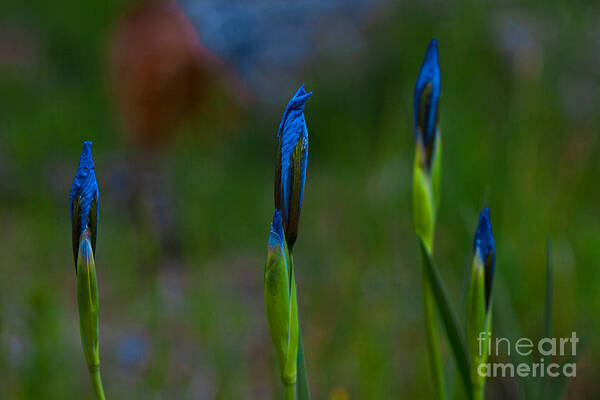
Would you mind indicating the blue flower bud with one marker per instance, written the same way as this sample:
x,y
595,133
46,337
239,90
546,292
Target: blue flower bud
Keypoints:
x,y
292,159
84,200
426,102
485,251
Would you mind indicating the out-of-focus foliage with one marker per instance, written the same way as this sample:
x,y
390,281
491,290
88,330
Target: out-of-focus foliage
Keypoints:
x,y
184,318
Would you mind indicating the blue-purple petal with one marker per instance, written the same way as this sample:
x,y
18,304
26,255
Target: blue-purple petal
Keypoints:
x,y
292,133
485,247
429,74
276,233
85,187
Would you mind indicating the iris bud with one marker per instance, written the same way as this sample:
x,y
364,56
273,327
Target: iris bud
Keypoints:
x,y
84,200
426,105
428,146
485,252
479,298
292,156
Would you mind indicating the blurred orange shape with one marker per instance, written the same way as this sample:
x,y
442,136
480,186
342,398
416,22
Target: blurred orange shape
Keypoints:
x,y
161,71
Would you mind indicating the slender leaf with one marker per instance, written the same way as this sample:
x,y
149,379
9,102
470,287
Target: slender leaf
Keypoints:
x,y
303,389
433,341
510,328
450,369
450,379
450,320
548,309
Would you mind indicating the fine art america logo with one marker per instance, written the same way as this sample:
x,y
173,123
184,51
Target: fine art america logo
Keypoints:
x,y
547,348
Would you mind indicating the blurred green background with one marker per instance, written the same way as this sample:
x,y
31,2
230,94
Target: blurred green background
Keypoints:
x,y
184,221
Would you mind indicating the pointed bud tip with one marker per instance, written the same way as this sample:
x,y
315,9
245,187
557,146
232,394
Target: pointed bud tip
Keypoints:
x,y
86,159
299,99
484,238
291,119
432,50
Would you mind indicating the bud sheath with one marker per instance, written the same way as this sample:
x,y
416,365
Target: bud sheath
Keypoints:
x,y
280,303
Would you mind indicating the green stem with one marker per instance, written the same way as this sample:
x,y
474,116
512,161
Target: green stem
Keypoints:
x,y
433,344
289,392
97,384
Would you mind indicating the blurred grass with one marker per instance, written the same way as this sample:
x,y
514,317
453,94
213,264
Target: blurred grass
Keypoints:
x,y
509,138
